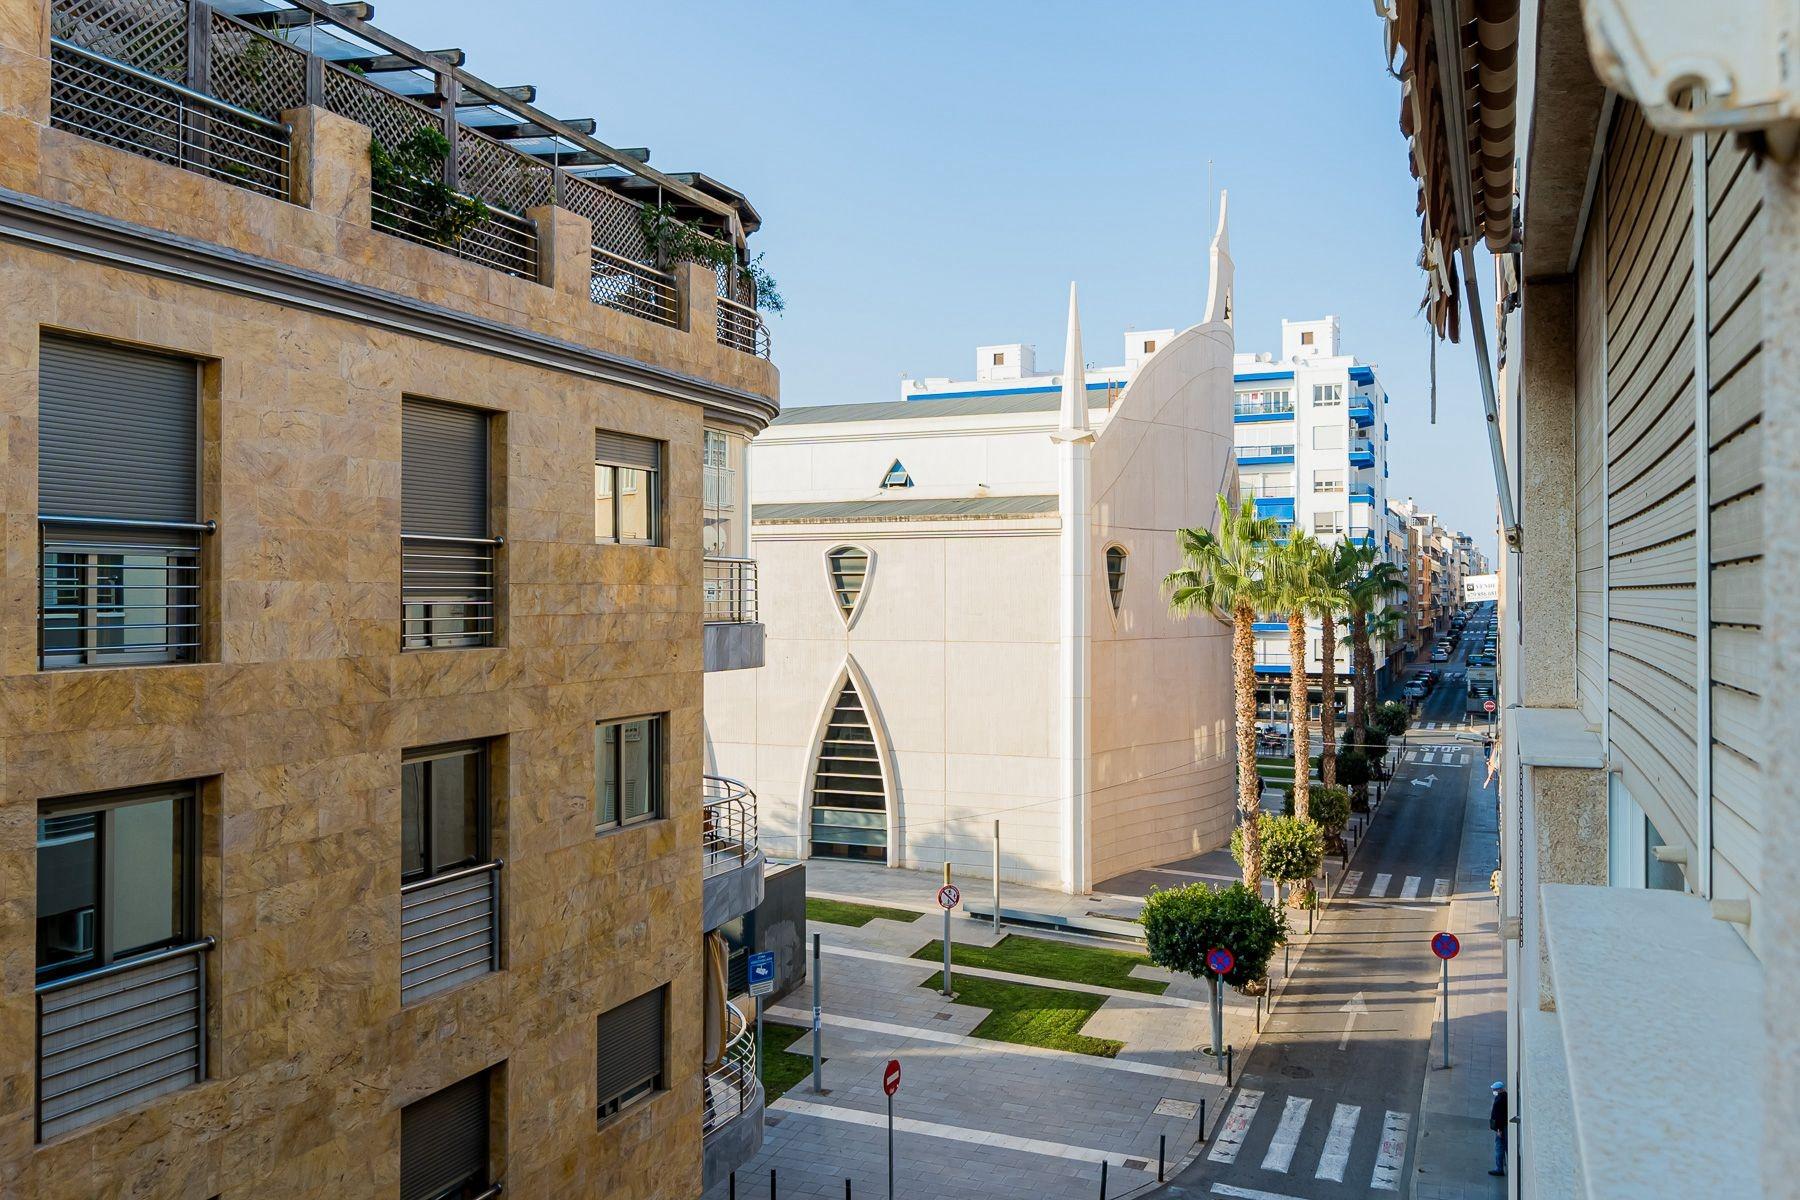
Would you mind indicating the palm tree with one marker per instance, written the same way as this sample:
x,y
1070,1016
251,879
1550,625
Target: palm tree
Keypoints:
x,y
1368,597
1227,573
1338,569
1299,586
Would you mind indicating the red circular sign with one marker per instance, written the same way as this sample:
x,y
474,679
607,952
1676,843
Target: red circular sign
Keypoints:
x,y
1220,960
949,896
1445,945
890,1078
1488,706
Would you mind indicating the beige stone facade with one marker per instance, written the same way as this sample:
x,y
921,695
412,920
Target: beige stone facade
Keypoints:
x,y
295,718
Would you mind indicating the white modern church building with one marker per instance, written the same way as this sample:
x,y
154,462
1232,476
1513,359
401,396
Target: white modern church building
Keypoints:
x,y
966,624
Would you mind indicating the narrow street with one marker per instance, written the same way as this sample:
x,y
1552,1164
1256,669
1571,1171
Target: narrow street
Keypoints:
x,y
1327,1106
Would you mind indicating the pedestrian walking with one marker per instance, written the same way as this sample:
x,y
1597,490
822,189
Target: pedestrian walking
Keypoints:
x,y
1497,1123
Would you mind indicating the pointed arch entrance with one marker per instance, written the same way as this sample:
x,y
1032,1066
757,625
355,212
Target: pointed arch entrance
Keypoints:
x,y
850,800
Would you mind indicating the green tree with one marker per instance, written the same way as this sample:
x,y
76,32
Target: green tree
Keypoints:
x,y
1293,849
1297,571
1226,572
1330,810
1372,619
1391,718
1338,569
1182,924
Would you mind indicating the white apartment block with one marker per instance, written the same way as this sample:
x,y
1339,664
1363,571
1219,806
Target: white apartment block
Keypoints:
x,y
1311,436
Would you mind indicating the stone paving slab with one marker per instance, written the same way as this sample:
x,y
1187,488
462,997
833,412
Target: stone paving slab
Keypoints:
x,y
977,1118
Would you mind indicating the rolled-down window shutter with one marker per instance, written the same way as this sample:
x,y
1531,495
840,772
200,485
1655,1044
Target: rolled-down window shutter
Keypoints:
x,y
624,450
443,469
444,1139
630,1045
118,432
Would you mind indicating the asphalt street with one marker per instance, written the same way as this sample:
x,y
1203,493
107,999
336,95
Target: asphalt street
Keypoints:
x,y
1326,1107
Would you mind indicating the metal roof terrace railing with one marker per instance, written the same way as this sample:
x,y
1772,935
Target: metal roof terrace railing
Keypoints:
x,y
204,86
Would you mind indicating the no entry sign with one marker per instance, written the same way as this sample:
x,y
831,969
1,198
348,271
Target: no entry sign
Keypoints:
x,y
1220,960
1445,946
949,896
890,1078
1487,706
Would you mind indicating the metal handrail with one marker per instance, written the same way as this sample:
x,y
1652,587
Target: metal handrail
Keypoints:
x,y
443,537
447,876
741,327
735,1076
130,523
187,93
1262,451
126,964
728,835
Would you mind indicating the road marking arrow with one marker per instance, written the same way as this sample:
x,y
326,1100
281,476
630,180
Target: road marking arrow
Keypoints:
x,y
1425,782
1356,1008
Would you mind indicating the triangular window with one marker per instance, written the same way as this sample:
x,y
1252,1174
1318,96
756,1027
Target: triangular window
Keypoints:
x,y
897,476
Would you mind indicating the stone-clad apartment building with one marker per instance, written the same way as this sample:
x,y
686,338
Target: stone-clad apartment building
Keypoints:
x,y
364,547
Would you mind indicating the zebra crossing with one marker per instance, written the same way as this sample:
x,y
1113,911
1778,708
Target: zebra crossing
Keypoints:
x,y
1334,1155
1383,884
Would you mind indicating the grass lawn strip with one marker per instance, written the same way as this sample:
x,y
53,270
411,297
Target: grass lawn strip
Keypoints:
x,y
843,912
781,1068
1031,1016
1019,954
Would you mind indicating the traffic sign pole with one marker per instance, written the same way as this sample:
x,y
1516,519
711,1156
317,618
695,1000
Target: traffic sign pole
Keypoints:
x,y
890,1083
761,969
1444,995
947,898
1446,946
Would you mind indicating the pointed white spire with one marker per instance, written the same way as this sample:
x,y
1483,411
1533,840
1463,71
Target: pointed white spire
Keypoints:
x,y
1074,378
1218,292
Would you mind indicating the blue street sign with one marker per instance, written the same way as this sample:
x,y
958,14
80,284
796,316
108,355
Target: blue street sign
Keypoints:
x,y
1445,946
761,967
1220,961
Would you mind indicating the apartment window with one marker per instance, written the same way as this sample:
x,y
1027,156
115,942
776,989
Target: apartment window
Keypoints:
x,y
1115,575
1254,401
1306,337
1328,395
999,359
1328,522
443,810
627,489
444,1142
1150,346
628,776
849,569
1328,437
115,877
1328,482
897,476
629,1052
449,882
118,505
725,507
447,553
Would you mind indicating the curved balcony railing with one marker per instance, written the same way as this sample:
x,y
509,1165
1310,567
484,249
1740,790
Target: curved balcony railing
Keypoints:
x,y
741,328
732,1086
729,829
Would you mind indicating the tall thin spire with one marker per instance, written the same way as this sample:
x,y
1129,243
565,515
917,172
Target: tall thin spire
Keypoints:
x,y
1074,378
1218,292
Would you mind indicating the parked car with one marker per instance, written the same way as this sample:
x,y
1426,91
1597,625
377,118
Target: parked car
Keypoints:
x,y
1440,654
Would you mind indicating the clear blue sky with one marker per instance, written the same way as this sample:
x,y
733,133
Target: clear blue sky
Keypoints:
x,y
933,174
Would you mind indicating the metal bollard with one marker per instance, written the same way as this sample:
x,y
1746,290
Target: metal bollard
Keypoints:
x,y
1162,1145
1200,1130
1228,1064
1103,1179
772,1192
1259,1010
733,1188
846,1189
